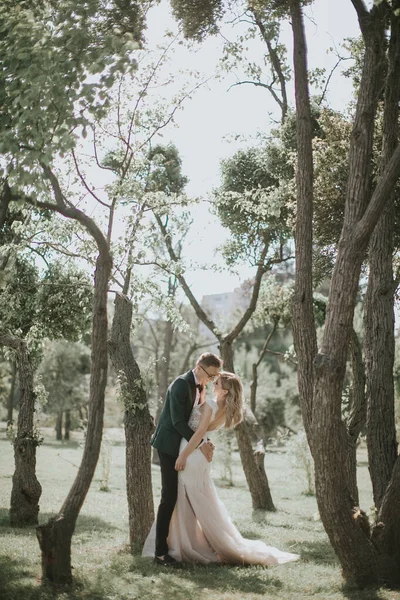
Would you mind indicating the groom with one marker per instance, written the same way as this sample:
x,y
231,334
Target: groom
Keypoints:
x,y
182,395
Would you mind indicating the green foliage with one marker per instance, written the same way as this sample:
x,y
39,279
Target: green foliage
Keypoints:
x,y
274,303
198,19
165,170
19,306
65,293
54,304
251,201
59,61
64,374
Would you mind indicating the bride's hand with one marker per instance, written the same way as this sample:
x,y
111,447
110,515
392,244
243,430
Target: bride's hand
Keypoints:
x,y
180,463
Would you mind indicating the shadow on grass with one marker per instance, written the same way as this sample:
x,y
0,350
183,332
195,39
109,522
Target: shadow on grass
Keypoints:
x,y
353,593
221,578
319,552
85,523
62,445
18,583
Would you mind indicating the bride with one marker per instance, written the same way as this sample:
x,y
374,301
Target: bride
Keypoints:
x,y
201,530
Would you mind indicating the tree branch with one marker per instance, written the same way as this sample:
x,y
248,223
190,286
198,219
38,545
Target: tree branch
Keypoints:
x,y
261,269
276,64
193,301
383,189
84,183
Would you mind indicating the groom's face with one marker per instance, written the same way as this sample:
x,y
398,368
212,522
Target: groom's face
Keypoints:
x,y
207,374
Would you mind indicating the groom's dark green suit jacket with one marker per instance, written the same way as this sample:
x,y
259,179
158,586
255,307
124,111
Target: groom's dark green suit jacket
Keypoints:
x,y
173,423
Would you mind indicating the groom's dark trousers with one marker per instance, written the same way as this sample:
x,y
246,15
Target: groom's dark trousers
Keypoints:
x,y
169,493
171,428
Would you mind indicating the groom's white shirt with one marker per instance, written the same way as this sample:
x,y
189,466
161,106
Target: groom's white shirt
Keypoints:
x,y
197,399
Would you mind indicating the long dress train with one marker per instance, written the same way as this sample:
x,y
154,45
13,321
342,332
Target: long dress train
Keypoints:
x,y
201,530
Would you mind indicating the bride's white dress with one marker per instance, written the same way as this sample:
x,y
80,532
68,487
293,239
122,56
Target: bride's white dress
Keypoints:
x,y
201,530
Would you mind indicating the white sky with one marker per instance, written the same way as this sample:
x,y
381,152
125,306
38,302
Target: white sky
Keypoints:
x,y
215,113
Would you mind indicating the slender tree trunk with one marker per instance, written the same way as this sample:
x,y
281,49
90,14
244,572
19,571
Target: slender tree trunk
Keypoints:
x,y
138,425
379,354
10,401
56,535
253,465
26,489
358,413
253,387
58,427
254,369
67,425
304,334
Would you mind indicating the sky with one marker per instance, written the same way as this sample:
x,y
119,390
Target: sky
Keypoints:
x,y
206,126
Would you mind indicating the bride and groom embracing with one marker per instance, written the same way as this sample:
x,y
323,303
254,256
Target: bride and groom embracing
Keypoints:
x,y
192,524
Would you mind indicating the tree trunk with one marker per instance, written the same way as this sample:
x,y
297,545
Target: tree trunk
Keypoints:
x,y
357,414
67,425
379,355
56,535
10,401
304,333
59,425
253,387
254,369
138,425
379,302
26,489
253,467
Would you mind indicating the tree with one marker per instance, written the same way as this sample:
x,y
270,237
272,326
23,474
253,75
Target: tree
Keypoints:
x,y
26,490
33,306
321,372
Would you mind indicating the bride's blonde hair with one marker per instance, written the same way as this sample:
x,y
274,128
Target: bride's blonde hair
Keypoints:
x,y
234,398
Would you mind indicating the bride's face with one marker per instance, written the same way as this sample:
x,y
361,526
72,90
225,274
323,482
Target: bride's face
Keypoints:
x,y
218,389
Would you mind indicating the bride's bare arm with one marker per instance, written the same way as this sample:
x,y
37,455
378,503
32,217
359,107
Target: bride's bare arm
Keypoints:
x,y
196,438
217,421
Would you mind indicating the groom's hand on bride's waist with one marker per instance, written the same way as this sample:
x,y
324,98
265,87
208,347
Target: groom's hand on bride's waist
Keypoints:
x,y
207,449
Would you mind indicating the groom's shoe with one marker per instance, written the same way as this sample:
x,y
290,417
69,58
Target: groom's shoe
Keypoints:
x,y
166,561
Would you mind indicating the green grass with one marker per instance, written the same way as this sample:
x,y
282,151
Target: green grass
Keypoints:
x,y
105,570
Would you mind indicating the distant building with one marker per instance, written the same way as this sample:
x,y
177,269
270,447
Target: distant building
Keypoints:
x,y
225,309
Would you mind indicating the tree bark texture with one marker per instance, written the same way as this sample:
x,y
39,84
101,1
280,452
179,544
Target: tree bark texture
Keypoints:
x,y
253,465
138,425
55,536
357,413
26,489
304,335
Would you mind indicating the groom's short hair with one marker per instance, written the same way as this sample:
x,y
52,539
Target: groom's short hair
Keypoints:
x,y
208,359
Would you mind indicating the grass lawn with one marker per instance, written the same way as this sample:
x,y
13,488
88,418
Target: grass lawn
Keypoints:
x,y
105,570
